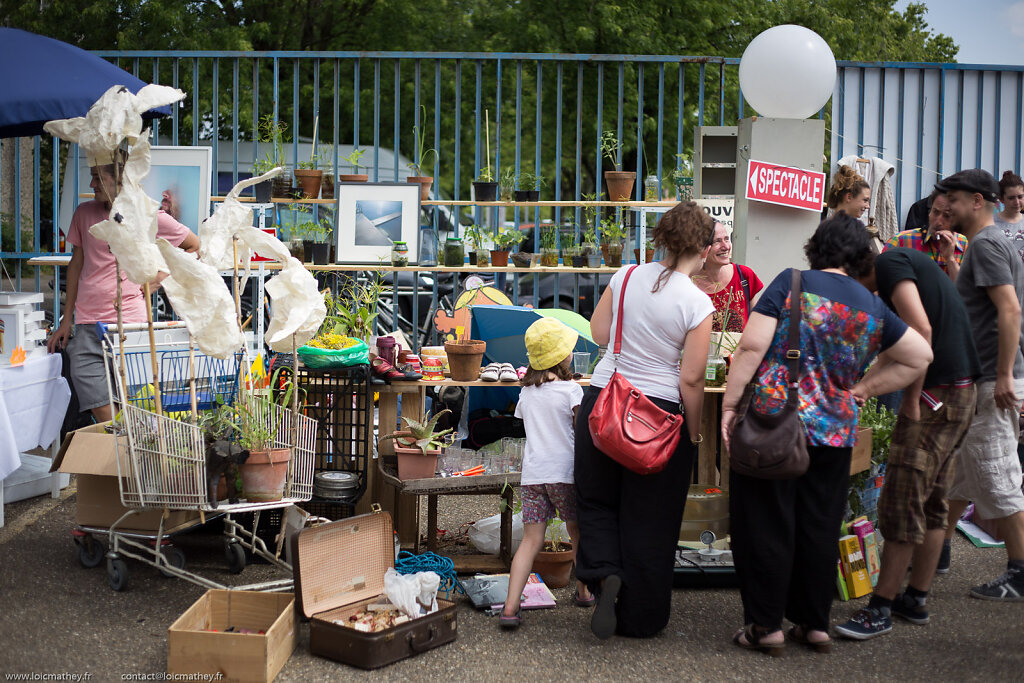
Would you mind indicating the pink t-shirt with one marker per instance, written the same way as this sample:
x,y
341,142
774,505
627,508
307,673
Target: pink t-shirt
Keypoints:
x,y
97,285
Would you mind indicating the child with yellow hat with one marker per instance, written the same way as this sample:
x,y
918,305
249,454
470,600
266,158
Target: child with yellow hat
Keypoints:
x,y
547,405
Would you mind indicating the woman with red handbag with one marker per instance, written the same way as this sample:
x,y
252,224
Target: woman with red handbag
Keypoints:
x,y
785,532
629,522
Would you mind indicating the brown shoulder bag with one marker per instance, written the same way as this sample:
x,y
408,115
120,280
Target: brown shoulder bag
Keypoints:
x,y
773,446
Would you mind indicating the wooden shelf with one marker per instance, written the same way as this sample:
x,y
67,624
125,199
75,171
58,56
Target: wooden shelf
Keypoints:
x,y
553,204
278,200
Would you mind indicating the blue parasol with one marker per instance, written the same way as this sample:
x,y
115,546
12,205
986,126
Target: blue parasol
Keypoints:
x,y
42,79
503,327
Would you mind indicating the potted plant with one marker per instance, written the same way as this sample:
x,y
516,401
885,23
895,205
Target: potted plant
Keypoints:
x,y
591,250
507,184
464,357
269,130
484,187
504,240
648,252
353,310
322,232
549,246
419,157
478,236
619,182
613,233
327,166
353,161
263,191
308,176
682,176
418,445
304,228
529,187
264,473
555,559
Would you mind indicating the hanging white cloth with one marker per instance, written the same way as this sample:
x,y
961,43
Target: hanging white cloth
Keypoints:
x,y
33,400
877,173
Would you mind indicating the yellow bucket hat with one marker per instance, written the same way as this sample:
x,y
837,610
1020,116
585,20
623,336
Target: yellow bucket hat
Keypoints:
x,y
549,342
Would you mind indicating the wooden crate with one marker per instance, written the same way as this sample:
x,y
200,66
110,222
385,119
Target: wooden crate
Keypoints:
x,y
193,647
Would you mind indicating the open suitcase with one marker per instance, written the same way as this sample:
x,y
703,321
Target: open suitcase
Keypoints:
x,y
339,569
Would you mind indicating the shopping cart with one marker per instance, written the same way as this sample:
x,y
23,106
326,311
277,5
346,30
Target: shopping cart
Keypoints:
x,y
161,458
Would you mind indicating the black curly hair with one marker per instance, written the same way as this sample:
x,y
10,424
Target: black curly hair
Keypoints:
x,y
841,242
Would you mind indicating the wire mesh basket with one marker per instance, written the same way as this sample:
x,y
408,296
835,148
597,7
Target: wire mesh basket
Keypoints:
x,y
162,460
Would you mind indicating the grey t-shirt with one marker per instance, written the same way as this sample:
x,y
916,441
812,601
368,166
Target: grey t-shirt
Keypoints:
x,y
1015,231
990,260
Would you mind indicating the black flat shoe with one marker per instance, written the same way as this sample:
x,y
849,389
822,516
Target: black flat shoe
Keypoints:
x,y
603,622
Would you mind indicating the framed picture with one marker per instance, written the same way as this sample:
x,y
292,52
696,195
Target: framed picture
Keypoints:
x,y
372,216
179,178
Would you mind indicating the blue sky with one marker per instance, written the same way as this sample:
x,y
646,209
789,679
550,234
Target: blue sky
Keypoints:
x,y
986,31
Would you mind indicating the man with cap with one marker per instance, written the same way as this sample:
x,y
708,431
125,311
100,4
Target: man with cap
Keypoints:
x,y
91,295
991,283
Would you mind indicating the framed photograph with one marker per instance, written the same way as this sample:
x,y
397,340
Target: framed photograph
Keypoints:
x,y
179,178
371,217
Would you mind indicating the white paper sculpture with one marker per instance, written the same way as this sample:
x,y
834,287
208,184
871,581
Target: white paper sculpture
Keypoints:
x,y
116,116
202,300
217,231
131,228
298,304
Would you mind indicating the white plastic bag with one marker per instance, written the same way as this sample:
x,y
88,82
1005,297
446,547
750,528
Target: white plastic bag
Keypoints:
x,y
413,594
485,534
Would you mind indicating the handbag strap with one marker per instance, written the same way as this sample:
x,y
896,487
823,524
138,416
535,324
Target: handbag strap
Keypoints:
x,y
617,348
793,353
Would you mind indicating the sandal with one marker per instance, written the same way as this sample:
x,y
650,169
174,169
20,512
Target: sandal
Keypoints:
x,y
583,602
507,373
603,623
511,623
490,372
753,641
798,634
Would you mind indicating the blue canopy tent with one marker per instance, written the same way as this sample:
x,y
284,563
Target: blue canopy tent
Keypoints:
x,y
42,79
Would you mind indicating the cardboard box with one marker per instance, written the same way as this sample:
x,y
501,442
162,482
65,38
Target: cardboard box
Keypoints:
x,y
197,641
864,530
91,454
339,570
860,457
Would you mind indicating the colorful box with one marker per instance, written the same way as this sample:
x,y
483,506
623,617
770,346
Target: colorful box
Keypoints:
x,y
864,530
854,568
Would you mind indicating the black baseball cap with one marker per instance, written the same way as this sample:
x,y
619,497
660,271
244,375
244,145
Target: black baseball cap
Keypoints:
x,y
971,180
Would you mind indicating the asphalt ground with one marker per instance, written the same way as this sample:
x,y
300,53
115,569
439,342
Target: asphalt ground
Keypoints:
x,y
57,617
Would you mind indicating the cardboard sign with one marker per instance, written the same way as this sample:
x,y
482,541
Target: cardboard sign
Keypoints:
x,y
786,186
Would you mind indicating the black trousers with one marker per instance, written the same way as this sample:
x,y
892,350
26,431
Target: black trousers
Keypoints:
x,y
785,540
629,525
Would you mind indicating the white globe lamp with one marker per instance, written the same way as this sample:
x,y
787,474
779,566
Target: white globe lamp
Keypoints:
x,y
787,72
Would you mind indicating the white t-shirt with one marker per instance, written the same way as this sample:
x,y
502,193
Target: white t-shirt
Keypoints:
x,y
654,329
547,413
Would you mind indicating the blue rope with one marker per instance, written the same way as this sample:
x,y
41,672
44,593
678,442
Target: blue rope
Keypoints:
x,y
407,563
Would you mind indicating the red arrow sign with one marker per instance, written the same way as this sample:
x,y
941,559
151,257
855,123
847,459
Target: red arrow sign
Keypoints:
x,y
785,185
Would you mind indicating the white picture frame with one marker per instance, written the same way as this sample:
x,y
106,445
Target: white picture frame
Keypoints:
x,y
187,170
371,216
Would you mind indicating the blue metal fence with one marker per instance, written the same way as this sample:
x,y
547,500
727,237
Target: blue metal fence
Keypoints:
x,y
563,101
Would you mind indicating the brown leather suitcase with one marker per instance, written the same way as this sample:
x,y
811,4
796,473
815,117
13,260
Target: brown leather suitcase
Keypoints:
x,y
339,569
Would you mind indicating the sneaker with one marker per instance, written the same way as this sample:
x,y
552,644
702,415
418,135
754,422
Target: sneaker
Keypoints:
x,y
907,608
865,624
943,566
1009,587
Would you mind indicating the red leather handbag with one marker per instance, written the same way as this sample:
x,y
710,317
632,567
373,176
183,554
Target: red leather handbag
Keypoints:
x,y
626,425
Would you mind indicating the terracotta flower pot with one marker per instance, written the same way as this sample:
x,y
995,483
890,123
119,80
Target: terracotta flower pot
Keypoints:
x,y
353,177
648,255
309,181
499,258
416,464
264,475
554,567
620,185
464,357
425,182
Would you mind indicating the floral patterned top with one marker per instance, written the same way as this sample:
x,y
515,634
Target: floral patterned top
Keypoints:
x,y
843,327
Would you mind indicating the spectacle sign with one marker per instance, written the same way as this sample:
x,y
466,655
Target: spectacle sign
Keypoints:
x,y
785,186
